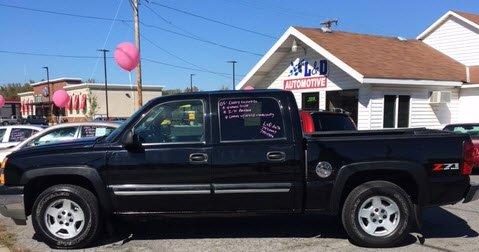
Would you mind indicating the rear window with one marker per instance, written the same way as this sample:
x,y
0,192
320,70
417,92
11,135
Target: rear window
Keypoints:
x,y
332,122
250,119
472,130
19,134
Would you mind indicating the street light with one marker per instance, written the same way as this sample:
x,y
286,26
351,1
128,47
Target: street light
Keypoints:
x,y
191,82
234,63
49,90
106,80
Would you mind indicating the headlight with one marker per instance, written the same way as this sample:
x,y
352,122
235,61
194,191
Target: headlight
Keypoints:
x,y
2,169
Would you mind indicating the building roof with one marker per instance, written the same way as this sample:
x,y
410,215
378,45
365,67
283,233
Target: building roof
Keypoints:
x,y
387,57
470,16
63,79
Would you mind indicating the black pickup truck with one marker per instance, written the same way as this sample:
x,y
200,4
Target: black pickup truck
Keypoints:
x,y
235,152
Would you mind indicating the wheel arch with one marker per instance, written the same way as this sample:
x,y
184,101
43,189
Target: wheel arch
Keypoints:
x,y
408,175
37,180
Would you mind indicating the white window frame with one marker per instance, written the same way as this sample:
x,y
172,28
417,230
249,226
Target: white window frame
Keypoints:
x,y
396,109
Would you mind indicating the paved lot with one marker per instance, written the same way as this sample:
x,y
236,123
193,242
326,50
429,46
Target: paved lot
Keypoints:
x,y
450,228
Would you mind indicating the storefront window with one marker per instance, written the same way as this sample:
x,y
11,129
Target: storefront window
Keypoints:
x,y
310,101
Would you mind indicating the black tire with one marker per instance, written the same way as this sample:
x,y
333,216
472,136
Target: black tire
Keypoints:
x,y
85,199
4,123
359,195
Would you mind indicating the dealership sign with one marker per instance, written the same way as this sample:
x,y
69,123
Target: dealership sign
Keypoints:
x,y
307,75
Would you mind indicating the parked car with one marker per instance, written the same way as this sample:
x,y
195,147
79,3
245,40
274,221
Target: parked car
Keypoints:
x,y
63,132
34,119
234,152
473,130
15,134
9,120
322,120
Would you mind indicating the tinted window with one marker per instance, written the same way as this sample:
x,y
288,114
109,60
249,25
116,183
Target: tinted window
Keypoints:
x,y
2,133
95,131
173,122
18,134
58,135
403,111
472,130
331,122
250,119
310,101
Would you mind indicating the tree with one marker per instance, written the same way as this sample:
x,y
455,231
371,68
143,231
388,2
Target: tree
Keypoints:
x,y
93,108
172,91
224,87
188,89
10,90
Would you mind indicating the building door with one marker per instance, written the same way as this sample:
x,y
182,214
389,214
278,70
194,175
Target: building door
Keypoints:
x,y
343,101
310,101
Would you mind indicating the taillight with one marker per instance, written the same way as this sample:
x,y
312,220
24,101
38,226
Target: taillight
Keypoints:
x,y
469,157
307,122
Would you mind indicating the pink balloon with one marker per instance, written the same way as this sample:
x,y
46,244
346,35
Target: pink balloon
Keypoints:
x,y
2,101
127,56
248,87
60,98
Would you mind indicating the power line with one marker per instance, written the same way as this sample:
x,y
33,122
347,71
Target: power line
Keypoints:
x,y
215,21
69,56
194,37
176,56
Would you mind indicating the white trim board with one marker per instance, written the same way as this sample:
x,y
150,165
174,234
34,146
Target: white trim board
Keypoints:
x,y
443,19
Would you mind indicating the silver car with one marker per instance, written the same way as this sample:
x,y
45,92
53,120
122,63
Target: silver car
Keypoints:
x,y
64,132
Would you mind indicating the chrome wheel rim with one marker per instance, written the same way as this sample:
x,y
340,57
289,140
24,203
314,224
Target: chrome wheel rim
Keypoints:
x,y
64,218
379,216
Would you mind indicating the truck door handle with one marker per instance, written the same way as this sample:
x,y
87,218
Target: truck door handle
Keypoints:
x,y
198,158
276,156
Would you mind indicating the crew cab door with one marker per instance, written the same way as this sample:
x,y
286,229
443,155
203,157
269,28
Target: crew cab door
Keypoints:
x,y
253,155
171,171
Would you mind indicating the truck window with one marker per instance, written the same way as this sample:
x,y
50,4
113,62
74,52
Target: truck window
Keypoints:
x,y
173,122
19,134
250,119
95,131
331,122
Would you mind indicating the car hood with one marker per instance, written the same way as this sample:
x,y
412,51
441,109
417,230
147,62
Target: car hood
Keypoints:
x,y
58,147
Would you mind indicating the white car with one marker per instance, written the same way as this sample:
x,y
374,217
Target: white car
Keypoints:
x,y
15,134
64,132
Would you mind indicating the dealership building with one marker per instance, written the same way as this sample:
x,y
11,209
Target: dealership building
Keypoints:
x,y
87,100
383,82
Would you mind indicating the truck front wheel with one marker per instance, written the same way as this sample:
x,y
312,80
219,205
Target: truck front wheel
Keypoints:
x,y
377,214
66,216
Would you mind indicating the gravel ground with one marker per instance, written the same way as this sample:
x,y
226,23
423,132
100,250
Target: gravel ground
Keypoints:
x,y
449,228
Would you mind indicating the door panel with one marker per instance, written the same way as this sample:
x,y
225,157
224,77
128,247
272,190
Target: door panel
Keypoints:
x,y
254,158
172,172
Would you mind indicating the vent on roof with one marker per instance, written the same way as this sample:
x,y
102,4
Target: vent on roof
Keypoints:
x,y
328,24
401,38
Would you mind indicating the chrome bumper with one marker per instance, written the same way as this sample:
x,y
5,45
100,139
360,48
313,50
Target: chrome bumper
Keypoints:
x,y
472,194
12,205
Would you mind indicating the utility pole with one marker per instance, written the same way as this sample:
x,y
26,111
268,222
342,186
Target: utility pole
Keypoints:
x,y
106,81
49,91
191,83
233,62
136,18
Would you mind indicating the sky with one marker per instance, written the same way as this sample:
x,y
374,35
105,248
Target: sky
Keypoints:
x,y
259,23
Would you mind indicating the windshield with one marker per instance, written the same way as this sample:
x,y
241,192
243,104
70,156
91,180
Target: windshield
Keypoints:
x,y
471,129
332,122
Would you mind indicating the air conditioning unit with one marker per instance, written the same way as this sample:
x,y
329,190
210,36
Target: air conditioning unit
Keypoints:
x,y
440,97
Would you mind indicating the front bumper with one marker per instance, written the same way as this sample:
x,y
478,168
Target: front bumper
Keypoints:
x,y
12,204
472,193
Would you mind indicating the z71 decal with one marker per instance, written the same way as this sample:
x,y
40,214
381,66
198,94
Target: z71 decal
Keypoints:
x,y
445,167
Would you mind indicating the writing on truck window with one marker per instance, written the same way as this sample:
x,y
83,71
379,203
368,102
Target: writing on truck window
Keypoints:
x,y
250,119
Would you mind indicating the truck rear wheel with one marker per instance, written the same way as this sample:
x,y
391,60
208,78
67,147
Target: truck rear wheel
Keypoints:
x,y
66,216
377,214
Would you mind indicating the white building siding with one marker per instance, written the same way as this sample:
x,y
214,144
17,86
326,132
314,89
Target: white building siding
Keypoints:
x,y
421,112
456,39
468,105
